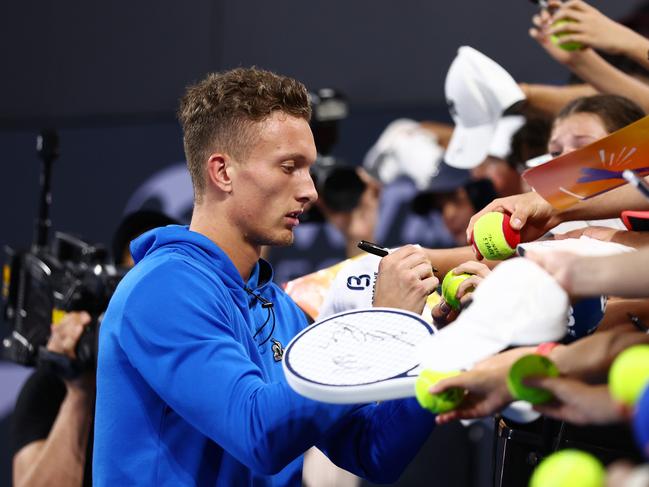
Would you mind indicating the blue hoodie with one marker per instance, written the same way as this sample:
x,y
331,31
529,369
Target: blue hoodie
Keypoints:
x,y
187,395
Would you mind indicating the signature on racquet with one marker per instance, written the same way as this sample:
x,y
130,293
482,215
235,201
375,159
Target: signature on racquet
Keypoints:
x,y
357,356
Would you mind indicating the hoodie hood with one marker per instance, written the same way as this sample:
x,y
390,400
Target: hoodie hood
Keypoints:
x,y
180,239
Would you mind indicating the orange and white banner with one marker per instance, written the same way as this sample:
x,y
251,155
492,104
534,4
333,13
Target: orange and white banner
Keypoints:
x,y
594,169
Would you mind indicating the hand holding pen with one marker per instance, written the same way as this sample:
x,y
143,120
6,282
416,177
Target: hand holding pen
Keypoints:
x,y
405,278
372,248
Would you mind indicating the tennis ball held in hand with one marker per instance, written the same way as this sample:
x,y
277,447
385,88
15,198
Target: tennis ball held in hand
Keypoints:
x,y
529,366
493,238
629,374
556,38
437,403
449,288
569,468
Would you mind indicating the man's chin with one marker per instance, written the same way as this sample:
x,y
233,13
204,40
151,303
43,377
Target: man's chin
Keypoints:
x,y
283,240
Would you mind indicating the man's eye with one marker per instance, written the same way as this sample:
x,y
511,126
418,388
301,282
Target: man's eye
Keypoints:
x,y
555,153
288,167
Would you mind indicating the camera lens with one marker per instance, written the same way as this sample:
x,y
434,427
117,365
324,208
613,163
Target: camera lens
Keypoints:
x,y
342,189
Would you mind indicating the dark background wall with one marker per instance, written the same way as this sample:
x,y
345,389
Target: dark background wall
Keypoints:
x,y
107,75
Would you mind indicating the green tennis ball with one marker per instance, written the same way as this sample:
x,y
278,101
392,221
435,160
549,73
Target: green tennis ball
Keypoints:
x,y
437,403
629,374
556,38
569,468
528,366
493,238
449,288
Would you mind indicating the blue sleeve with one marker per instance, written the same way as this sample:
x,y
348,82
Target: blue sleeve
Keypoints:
x,y
378,441
185,346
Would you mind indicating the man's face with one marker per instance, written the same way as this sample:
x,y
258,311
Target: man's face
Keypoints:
x,y
272,186
457,210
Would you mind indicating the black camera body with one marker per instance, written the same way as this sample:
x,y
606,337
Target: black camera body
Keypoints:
x,y
336,181
39,286
51,278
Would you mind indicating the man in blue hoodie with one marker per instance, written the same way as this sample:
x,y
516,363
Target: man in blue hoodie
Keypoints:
x,y
190,389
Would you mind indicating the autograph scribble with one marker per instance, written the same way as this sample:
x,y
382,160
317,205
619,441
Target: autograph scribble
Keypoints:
x,y
353,351
348,331
348,363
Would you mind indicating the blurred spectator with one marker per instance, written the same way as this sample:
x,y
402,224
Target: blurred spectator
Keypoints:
x,y
456,196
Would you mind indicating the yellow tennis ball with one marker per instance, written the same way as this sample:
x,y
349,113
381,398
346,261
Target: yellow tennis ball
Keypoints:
x,y
556,38
569,468
528,366
449,288
493,238
629,374
437,403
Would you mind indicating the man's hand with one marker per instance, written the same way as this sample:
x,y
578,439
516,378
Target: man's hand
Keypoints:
x,y
478,272
486,386
63,340
541,33
589,27
442,313
486,393
560,265
405,280
577,402
65,334
530,214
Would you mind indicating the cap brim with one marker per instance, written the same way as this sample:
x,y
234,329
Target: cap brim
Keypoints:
x,y
447,179
469,147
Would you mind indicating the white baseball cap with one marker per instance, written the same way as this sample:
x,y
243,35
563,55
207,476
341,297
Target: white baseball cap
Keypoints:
x,y
535,311
478,91
404,148
501,142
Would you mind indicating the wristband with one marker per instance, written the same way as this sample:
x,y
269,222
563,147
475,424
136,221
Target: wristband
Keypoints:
x,y
545,348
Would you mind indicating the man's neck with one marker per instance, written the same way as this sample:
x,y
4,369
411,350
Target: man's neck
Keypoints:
x,y
243,255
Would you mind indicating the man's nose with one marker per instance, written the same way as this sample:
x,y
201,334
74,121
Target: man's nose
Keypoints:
x,y
307,192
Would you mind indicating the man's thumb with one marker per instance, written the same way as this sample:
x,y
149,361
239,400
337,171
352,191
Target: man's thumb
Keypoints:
x,y
517,220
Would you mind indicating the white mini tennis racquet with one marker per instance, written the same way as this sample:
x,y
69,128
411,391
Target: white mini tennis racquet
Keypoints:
x,y
376,354
357,356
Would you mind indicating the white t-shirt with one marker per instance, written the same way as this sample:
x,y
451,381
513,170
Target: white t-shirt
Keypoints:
x,y
353,288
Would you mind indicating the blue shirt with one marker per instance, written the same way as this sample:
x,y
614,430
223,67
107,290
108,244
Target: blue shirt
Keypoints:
x,y
188,395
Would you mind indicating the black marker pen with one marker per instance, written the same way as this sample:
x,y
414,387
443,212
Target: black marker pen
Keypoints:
x,y
372,248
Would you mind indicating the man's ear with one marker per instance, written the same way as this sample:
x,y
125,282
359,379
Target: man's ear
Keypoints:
x,y
219,171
